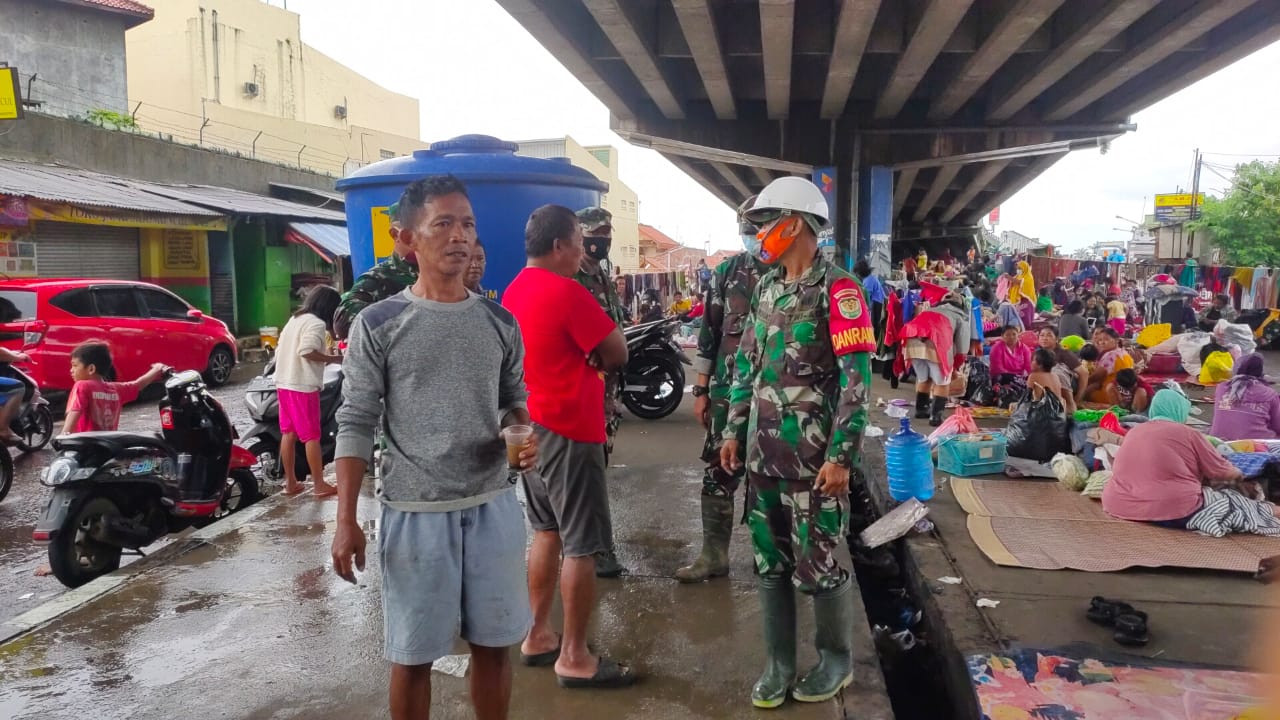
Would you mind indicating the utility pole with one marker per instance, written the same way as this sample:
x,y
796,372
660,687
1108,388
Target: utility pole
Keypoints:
x,y
1195,197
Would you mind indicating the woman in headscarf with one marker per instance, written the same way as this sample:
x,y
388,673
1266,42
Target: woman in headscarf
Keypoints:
x,y
1246,407
1162,465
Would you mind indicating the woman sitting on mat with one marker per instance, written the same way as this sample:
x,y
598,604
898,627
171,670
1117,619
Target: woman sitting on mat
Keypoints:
x,y
1043,379
1112,359
1162,465
1246,407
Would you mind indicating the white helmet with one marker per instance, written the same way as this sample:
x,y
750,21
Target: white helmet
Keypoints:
x,y
790,193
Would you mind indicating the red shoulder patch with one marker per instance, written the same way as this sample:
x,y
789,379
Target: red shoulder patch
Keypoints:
x,y
850,321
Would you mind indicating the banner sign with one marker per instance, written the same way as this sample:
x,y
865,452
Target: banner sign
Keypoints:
x,y
825,179
116,217
10,94
1175,207
994,218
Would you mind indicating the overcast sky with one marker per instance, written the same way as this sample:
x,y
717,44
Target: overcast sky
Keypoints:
x,y
476,70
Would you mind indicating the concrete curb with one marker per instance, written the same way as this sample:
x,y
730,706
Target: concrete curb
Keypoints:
x,y
87,593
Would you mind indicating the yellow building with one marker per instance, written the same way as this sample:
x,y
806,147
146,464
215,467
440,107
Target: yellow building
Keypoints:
x,y
235,75
601,161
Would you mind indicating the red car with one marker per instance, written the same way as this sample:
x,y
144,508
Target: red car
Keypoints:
x,y
140,322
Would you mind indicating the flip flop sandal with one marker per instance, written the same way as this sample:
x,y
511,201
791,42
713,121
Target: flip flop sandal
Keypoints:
x,y
542,659
1131,629
610,674
1104,612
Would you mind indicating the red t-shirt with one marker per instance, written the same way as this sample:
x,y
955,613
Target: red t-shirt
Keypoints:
x,y
99,403
560,323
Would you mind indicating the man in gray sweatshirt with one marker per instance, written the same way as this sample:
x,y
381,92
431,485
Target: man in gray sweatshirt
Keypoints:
x,y
444,367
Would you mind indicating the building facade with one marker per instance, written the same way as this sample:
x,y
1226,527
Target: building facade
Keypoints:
x,y
236,75
70,54
621,200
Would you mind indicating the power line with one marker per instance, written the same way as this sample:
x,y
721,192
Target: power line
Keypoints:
x,y
1239,186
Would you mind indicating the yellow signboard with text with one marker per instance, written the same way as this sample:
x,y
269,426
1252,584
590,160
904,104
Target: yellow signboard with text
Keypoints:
x,y
1178,200
10,94
122,218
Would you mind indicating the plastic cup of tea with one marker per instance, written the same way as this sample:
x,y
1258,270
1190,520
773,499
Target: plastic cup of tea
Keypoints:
x,y
517,437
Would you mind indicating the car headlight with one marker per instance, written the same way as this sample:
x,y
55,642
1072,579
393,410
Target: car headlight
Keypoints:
x,y
60,471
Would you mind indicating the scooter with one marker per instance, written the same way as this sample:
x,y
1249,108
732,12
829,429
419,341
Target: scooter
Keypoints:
x,y
34,422
263,439
117,491
653,378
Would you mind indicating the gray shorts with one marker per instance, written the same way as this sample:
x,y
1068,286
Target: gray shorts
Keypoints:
x,y
926,370
568,493
442,569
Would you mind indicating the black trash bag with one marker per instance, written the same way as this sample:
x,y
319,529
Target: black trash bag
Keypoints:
x,y
1008,389
978,390
1037,428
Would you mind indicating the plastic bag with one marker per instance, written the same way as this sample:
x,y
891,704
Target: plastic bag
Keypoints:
x,y
1235,334
1153,335
898,522
961,422
1038,428
1189,345
1110,422
1094,486
1216,369
978,387
1070,471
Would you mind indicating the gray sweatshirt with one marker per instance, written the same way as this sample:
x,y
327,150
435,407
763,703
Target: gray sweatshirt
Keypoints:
x,y
446,374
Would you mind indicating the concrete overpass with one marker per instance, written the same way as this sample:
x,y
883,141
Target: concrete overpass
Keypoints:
x,y
931,111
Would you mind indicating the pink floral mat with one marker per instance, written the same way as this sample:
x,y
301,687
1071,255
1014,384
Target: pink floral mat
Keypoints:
x,y
1039,685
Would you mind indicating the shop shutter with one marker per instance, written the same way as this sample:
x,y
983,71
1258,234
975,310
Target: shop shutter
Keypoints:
x,y
72,250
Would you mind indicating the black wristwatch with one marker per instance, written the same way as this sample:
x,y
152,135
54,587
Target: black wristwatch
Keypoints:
x,y
699,390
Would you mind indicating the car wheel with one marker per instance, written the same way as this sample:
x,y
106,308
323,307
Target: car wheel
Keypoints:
x,y
221,362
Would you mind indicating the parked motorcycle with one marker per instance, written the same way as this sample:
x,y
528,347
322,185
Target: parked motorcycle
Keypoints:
x,y
116,491
34,422
263,439
653,378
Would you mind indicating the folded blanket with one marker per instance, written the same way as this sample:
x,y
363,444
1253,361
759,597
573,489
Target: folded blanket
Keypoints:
x,y
1227,511
1252,464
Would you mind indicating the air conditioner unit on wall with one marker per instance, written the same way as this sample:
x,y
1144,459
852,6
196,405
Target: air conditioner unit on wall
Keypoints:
x,y
251,89
340,112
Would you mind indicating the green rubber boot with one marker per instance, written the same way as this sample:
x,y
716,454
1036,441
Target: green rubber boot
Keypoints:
x,y
778,608
833,637
717,529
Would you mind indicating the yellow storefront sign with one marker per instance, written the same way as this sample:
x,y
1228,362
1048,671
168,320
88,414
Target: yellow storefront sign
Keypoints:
x,y
122,218
1178,200
10,94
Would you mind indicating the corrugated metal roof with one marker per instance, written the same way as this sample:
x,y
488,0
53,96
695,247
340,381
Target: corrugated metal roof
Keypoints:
x,y
81,187
241,203
329,240
327,194
137,11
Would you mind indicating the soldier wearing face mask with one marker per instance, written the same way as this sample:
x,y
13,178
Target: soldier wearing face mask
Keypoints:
x,y
593,274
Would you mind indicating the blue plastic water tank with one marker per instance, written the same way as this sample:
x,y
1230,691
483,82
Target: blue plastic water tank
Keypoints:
x,y
504,190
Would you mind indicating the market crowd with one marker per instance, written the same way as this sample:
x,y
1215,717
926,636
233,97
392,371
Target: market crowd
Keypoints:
x,y
1086,366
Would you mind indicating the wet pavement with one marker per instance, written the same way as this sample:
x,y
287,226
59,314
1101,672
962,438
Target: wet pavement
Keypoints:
x,y
20,589
255,624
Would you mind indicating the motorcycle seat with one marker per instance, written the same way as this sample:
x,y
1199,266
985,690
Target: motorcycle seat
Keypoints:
x,y
112,441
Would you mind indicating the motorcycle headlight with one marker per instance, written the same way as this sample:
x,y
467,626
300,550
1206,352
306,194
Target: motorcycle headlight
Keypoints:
x,y
60,471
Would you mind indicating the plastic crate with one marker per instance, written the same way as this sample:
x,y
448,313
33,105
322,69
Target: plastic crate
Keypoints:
x,y
969,455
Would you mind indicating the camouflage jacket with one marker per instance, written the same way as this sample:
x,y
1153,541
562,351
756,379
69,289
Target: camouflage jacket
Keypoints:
x,y
727,309
602,290
377,283
799,397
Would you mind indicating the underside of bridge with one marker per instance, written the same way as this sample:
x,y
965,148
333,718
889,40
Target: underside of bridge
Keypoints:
x,y
954,104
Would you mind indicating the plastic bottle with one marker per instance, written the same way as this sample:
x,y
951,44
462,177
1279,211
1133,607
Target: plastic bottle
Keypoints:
x,y
909,464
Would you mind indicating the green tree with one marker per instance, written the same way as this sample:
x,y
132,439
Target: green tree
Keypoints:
x,y
1245,223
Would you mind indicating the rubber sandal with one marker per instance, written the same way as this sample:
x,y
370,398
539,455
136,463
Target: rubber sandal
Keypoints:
x,y
610,674
1131,629
1104,612
543,659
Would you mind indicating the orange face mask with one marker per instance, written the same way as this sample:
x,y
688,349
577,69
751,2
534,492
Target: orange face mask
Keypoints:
x,y
777,237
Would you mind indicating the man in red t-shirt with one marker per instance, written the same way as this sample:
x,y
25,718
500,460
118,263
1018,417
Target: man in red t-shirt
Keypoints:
x,y
569,340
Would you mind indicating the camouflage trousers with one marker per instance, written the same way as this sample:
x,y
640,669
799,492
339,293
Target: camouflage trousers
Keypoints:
x,y
795,530
612,415
716,481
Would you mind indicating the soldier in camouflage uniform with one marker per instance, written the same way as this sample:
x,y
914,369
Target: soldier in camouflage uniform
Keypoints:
x,y
728,308
593,274
798,404
378,282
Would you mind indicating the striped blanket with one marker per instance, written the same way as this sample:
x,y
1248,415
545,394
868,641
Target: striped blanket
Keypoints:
x,y
1227,511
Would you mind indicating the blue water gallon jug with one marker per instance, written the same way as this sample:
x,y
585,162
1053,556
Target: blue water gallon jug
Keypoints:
x,y
909,463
